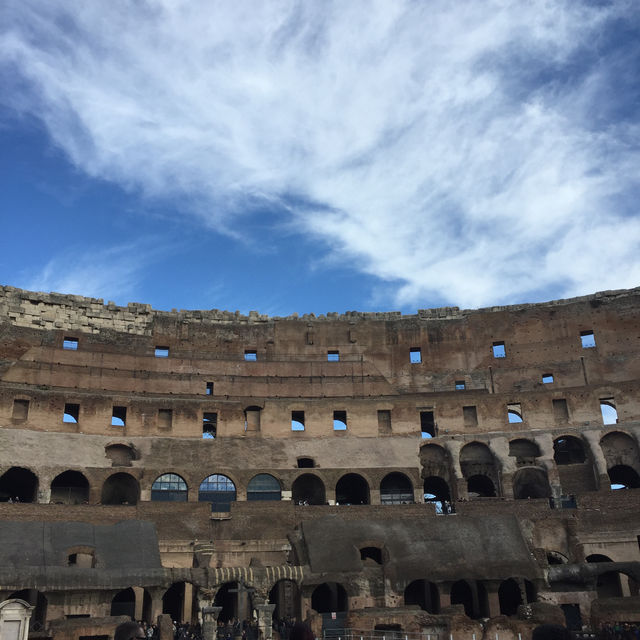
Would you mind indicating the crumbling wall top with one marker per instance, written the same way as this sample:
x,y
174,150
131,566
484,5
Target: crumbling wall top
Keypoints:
x,y
41,310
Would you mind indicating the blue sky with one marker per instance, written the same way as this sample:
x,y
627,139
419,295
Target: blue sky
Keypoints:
x,y
320,156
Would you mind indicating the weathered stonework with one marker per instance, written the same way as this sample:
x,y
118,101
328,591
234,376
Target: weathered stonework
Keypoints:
x,y
324,435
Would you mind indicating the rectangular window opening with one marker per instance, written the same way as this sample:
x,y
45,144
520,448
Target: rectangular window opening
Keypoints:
x,y
415,355
209,425
71,413
514,412
588,339
560,410
165,418
20,409
209,390
162,352
470,416
499,350
119,416
460,385
71,344
427,424
297,421
547,378
384,421
608,411
250,355
333,356
339,420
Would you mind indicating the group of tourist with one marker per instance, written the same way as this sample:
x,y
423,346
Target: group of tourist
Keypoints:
x,y
619,631
235,629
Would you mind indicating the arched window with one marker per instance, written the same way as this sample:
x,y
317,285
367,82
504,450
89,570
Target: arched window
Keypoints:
x,y
219,491
396,488
524,451
263,487
624,477
352,489
531,483
169,487
478,468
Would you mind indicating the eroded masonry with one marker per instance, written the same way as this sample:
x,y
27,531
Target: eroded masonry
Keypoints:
x,y
451,472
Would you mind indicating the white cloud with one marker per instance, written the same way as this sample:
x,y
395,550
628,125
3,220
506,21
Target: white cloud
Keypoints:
x,y
451,146
112,273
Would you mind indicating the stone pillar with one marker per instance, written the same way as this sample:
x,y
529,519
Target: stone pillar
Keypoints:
x,y
139,594
156,594
187,602
493,599
265,614
593,439
546,460
210,622
460,488
374,496
444,589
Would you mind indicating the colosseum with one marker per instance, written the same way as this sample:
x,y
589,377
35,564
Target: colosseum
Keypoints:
x,y
453,474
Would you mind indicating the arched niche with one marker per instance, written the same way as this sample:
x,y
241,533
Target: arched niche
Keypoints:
x,y
285,595
477,462
263,487
524,451
329,597
120,454
120,488
623,476
569,450
531,482
423,593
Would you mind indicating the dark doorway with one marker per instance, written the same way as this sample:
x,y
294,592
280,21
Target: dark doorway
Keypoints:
x,y
624,477
480,486
396,488
436,491
531,483
124,604
461,594
18,483
308,489
510,597
227,598
424,594
120,488
329,597
352,489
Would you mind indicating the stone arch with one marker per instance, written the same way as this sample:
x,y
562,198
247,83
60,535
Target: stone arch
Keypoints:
x,y
70,487
436,491
227,599
120,488
525,451
555,558
20,483
623,459
352,488
396,488
308,489
531,482
423,593
434,460
461,593
169,487
219,490
569,450
477,461
328,597
264,487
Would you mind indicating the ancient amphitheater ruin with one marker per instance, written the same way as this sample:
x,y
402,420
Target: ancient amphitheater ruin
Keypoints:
x,y
455,473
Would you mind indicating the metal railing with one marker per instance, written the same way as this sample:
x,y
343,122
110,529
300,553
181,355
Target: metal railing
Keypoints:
x,y
368,634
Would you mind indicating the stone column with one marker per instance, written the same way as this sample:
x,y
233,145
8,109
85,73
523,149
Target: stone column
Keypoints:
x,y
265,614
493,599
546,460
453,447
210,622
187,602
593,439
139,594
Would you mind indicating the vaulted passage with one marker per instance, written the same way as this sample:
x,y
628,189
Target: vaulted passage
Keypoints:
x,y
70,487
308,489
424,594
352,489
329,597
396,488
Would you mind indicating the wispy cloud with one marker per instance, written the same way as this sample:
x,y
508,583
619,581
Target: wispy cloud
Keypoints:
x,y
112,273
475,152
